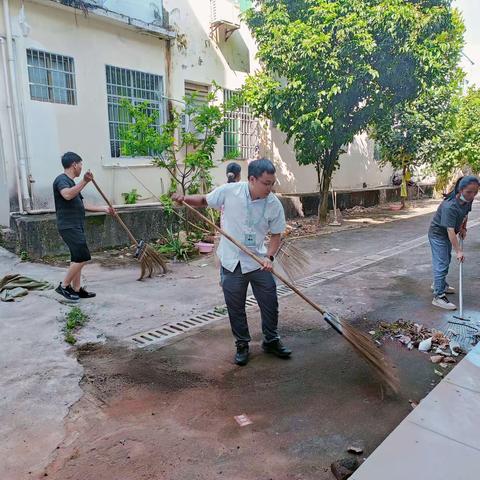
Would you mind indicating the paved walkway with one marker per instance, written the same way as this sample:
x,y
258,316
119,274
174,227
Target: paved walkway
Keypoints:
x,y
439,440
40,376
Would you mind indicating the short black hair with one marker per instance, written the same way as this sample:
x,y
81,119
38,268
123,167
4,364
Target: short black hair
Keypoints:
x,y
69,158
258,167
233,171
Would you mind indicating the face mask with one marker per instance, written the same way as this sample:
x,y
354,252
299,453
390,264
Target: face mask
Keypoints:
x,y
462,198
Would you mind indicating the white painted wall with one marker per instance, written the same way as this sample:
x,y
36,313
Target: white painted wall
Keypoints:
x,y
53,129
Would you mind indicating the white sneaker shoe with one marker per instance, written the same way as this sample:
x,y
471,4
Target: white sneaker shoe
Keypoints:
x,y
443,302
448,290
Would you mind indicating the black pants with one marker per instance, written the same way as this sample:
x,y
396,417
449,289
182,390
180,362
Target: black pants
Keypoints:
x,y
235,286
76,243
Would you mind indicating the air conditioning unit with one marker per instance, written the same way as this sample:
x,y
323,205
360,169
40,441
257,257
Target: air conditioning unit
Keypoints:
x,y
224,12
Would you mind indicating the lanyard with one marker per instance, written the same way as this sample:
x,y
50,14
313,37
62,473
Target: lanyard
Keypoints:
x,y
250,223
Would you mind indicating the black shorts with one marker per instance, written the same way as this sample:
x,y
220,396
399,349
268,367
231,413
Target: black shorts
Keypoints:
x,y
76,243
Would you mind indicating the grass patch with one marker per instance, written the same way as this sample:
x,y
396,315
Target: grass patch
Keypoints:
x,y
24,256
75,319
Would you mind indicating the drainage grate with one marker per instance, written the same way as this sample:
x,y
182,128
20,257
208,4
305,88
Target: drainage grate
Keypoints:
x,y
165,332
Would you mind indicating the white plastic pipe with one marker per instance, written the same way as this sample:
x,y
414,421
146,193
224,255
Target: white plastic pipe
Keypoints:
x,y
20,146
11,125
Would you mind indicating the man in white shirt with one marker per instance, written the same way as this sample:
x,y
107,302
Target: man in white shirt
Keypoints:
x,y
250,211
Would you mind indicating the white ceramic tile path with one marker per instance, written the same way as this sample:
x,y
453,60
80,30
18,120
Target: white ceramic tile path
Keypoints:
x,y
439,439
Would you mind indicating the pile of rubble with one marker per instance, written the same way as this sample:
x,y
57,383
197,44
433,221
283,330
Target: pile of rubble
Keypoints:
x,y
348,212
414,335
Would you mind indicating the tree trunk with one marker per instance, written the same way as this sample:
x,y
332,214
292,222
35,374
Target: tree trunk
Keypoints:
x,y
324,196
329,166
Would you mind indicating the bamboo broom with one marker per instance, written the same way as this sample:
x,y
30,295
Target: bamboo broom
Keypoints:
x,y
151,262
360,342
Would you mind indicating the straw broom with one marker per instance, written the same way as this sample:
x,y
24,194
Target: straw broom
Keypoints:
x,y
151,262
360,342
294,261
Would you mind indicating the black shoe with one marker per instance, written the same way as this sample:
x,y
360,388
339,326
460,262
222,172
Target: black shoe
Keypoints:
x,y
241,357
82,293
67,293
276,348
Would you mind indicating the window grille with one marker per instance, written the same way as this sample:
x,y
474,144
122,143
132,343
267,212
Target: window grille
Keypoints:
x,y
51,77
241,134
136,87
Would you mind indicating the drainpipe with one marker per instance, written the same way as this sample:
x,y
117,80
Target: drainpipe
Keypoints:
x,y
17,125
11,125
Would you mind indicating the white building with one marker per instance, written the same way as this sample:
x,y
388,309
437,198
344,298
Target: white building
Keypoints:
x,y
65,64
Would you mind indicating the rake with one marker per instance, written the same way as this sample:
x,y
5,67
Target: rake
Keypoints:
x,y
360,342
151,262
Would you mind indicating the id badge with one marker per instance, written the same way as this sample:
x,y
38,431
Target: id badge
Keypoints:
x,y
250,240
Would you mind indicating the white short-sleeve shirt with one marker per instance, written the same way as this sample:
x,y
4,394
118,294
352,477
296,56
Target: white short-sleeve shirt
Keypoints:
x,y
243,215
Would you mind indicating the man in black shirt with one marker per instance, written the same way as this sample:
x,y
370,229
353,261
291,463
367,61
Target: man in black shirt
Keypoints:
x,y
70,211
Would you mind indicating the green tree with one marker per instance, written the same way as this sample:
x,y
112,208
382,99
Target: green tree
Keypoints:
x,y
184,145
458,146
414,132
332,68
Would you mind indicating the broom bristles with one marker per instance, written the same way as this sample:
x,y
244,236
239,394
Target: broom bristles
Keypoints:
x,y
151,263
294,261
365,347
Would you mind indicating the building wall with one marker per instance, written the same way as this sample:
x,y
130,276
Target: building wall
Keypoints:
x,y
52,129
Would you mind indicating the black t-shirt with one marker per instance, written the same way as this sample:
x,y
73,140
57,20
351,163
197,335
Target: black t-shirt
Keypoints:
x,y
450,214
70,213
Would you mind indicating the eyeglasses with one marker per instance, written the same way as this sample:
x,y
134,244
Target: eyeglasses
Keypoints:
x,y
267,184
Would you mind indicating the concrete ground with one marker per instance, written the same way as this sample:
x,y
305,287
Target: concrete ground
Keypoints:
x,y
106,411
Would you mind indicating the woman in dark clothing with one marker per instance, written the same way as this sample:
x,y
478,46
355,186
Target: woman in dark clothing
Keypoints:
x,y
233,172
450,221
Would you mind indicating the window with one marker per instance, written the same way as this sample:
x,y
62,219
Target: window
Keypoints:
x,y
200,91
240,137
137,87
51,77
201,98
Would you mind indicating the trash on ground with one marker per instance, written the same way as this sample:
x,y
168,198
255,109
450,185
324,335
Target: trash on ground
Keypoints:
x,y
414,335
449,360
438,372
355,449
436,358
221,310
344,468
425,345
413,404
242,420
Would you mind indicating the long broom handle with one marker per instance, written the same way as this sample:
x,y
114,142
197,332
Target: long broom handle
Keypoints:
x,y
120,221
259,260
460,283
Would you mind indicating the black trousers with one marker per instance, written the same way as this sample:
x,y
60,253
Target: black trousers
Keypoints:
x,y
235,286
76,243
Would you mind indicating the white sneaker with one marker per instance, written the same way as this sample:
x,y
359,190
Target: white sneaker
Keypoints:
x,y
443,302
448,290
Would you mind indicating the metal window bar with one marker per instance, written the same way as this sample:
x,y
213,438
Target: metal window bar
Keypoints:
x,y
241,132
137,87
51,77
